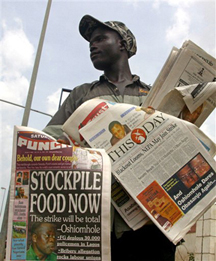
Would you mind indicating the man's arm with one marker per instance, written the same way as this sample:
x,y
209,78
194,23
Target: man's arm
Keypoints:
x,y
72,102
74,99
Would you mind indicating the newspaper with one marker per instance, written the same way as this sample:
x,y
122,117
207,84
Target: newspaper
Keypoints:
x,y
129,210
193,103
200,52
162,76
166,164
83,116
60,195
187,66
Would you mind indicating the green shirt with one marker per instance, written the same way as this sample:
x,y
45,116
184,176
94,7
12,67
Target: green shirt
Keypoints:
x,y
134,93
30,255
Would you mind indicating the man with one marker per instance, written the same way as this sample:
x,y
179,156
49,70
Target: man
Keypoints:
x,y
199,165
20,193
187,176
43,242
25,178
118,131
111,45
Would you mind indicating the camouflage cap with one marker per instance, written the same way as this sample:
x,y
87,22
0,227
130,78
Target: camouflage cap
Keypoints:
x,y
88,24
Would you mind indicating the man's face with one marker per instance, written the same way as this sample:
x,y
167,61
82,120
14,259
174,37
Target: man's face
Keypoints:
x,y
199,165
44,240
104,48
187,176
21,191
118,131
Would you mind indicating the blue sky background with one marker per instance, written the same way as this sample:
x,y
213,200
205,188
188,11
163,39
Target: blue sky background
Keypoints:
x,y
157,24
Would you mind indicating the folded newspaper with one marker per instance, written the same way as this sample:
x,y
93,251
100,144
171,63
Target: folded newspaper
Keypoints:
x,y
59,200
189,65
193,103
121,200
164,163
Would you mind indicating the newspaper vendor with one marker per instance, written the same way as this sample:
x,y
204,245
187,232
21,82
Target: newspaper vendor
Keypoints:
x,y
111,45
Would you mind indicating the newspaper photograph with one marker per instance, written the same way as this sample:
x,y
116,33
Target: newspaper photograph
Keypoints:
x,y
153,156
59,200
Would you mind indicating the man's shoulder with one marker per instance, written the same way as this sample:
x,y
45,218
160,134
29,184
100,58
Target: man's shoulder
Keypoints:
x,y
137,80
87,85
82,89
147,86
52,257
30,254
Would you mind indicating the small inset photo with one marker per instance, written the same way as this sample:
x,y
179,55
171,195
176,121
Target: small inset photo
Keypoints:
x,y
21,193
25,180
19,229
187,176
19,177
42,242
199,165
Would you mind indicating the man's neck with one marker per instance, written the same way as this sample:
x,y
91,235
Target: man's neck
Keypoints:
x,y
119,73
122,82
41,256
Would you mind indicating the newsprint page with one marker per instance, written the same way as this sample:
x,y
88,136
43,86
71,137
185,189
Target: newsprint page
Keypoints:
x,y
130,211
166,164
59,200
189,65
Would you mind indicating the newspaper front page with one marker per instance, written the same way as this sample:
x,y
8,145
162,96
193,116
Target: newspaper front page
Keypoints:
x,y
129,210
168,170
59,200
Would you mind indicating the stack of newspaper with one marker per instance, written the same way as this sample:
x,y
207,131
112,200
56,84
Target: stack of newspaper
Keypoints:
x,y
185,84
163,164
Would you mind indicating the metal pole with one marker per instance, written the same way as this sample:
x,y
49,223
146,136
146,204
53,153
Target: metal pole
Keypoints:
x,y
3,231
15,104
2,188
35,69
